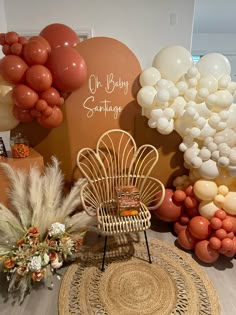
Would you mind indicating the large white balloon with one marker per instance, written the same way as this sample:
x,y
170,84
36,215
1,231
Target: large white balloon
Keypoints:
x,y
214,64
173,62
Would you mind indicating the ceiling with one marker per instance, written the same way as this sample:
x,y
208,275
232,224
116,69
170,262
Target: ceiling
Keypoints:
x,y
215,16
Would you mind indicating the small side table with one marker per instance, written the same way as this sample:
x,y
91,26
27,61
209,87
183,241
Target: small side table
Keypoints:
x,y
18,163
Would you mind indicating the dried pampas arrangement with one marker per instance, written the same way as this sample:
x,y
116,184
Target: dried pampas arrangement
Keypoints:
x,y
41,229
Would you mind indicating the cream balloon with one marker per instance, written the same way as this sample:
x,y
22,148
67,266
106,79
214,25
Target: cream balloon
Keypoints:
x,y
205,189
215,64
173,62
230,202
7,119
149,76
146,96
207,209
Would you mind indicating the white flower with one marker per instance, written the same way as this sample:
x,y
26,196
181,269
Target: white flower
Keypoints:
x,y
35,263
57,229
56,263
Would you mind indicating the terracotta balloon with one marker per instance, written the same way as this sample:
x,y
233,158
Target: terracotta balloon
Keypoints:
x,y
215,243
22,115
24,97
39,78
178,227
13,68
68,69
51,96
59,35
199,227
44,41
52,121
169,210
41,105
16,49
35,52
6,49
205,253
186,240
11,37
179,195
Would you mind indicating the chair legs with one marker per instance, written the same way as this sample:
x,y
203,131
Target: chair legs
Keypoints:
x,y
105,248
149,256
104,253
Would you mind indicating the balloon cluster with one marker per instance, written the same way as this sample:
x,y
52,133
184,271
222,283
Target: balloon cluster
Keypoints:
x,y
197,102
40,71
204,218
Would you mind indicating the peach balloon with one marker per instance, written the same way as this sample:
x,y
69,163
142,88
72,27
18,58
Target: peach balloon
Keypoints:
x,y
178,227
215,242
205,189
205,253
207,209
179,195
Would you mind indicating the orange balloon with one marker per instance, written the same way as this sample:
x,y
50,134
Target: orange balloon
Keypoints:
x,y
200,227
39,78
16,49
6,49
51,96
227,244
216,223
13,68
215,243
186,240
24,97
205,253
221,234
2,39
68,69
221,214
179,195
35,52
11,37
52,121
44,41
60,35
190,202
41,105
178,227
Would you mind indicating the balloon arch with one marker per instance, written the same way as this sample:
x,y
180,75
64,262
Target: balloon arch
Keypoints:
x,y
197,101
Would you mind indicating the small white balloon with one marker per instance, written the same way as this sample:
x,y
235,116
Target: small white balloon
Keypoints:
x,y
168,112
146,96
223,161
162,96
162,123
196,162
204,154
215,64
209,169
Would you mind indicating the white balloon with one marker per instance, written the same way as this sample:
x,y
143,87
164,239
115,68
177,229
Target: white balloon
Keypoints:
x,y
215,64
209,169
162,96
149,76
207,209
209,82
146,96
173,62
152,123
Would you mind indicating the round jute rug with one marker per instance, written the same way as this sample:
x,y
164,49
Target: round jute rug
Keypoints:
x,y
173,284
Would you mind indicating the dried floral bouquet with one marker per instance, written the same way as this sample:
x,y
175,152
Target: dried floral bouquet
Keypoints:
x,y
41,228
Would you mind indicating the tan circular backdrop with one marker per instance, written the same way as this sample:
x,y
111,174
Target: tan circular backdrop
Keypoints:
x,y
173,284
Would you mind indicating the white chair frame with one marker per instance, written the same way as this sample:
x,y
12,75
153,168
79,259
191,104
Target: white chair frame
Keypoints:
x,y
117,161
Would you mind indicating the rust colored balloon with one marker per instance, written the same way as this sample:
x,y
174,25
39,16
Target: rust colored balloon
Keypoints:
x,y
169,210
13,68
178,227
24,97
51,96
186,240
35,52
205,253
221,234
68,69
2,39
216,223
16,49
60,35
39,78
52,121
11,37
44,42
22,115
227,244
190,202
215,243
199,227
41,105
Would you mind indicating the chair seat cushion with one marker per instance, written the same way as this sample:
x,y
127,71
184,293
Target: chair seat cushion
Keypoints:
x,y
110,222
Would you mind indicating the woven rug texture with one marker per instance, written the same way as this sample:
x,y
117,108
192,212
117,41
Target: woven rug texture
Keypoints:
x,y
173,284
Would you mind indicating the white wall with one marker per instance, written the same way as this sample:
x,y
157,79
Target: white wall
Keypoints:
x,y
3,22
145,26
